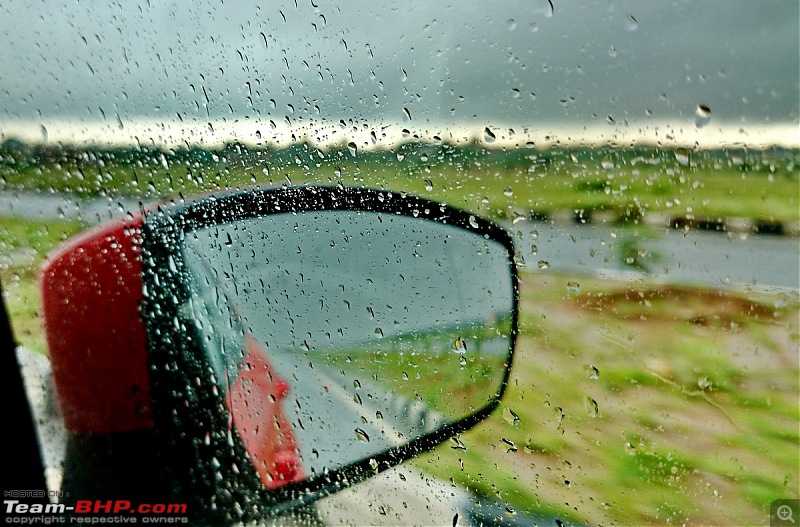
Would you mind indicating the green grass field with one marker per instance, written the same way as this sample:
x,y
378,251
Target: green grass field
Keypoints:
x,y
428,366
642,404
497,184
23,246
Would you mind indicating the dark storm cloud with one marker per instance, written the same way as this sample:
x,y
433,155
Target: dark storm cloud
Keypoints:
x,y
512,62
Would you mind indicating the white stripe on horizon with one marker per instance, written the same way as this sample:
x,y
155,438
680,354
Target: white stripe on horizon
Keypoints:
x,y
385,135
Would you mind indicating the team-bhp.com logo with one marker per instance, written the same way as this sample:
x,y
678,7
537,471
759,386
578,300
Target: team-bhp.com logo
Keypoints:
x,y
94,512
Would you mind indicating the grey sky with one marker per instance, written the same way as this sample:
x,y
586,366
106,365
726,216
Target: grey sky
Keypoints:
x,y
511,62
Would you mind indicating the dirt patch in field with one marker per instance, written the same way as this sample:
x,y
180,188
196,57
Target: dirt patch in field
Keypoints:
x,y
702,307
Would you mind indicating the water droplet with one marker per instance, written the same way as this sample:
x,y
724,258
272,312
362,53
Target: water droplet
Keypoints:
x,y
357,399
489,136
612,52
544,264
428,185
573,287
473,222
406,113
511,446
703,383
702,115
379,332
362,435
682,156
351,146
373,465
631,24
592,372
378,415
592,407
607,163
510,417
507,192
512,24
457,444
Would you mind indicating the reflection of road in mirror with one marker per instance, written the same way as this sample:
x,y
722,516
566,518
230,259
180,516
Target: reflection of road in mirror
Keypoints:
x,y
386,327
452,370
365,400
334,413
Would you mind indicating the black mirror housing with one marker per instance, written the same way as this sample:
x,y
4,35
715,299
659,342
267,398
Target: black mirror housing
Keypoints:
x,y
282,323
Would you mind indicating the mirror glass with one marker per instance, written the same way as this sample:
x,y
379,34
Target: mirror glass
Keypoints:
x,y
339,334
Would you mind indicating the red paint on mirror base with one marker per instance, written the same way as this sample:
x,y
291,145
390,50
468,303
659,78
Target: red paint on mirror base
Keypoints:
x,y
91,289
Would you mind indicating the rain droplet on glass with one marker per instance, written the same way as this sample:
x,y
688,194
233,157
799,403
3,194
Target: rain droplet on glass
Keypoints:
x,y
362,435
702,115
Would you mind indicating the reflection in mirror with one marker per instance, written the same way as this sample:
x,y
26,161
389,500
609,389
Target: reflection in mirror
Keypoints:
x,y
363,330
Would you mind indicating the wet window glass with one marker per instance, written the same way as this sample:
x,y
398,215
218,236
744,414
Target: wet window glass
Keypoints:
x,y
638,318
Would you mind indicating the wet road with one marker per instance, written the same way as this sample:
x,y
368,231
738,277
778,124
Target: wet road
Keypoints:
x,y
719,259
703,257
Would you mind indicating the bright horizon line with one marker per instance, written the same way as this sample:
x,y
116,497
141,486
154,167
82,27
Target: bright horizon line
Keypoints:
x,y
384,135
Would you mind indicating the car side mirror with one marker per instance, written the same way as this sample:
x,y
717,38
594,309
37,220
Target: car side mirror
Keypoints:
x,y
299,340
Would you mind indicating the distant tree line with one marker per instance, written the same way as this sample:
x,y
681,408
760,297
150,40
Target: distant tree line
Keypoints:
x,y
414,154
